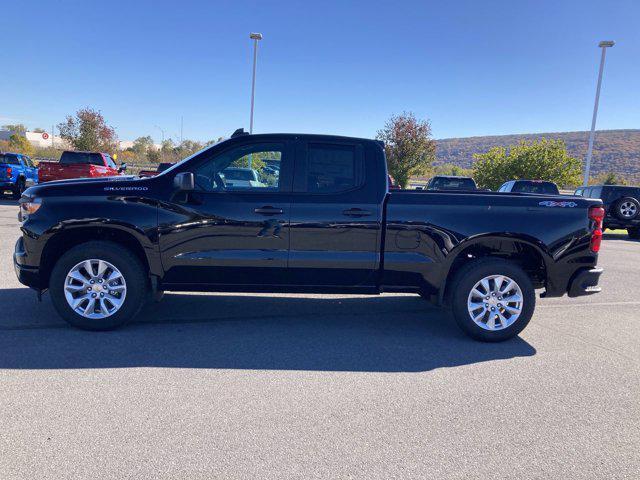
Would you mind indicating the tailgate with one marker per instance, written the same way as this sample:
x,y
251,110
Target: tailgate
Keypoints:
x,y
56,171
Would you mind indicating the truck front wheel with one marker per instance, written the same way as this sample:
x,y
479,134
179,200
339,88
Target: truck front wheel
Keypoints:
x,y
492,299
98,285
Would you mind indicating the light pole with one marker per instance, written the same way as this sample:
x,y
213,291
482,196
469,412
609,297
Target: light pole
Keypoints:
x,y
255,37
161,145
604,45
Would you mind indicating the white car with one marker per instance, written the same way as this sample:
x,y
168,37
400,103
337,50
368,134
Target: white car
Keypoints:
x,y
236,177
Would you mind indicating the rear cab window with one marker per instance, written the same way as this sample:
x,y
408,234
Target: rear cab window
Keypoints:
x,y
87,158
546,188
9,159
444,183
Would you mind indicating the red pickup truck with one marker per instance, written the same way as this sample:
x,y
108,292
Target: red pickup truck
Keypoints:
x,y
80,165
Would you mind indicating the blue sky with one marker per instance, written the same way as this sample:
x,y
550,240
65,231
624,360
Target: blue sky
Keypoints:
x,y
471,67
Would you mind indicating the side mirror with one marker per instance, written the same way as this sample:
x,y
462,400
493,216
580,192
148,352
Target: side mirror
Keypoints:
x,y
122,168
184,182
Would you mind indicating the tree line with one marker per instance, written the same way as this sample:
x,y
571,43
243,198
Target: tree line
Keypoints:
x,y
409,146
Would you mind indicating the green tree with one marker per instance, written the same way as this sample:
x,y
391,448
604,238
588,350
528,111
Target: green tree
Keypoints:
x,y
409,147
450,169
18,128
608,178
536,160
87,130
20,144
153,155
141,145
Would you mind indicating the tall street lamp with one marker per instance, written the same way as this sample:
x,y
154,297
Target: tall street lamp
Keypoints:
x,y
255,37
604,45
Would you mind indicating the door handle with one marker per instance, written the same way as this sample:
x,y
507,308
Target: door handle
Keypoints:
x,y
268,210
356,212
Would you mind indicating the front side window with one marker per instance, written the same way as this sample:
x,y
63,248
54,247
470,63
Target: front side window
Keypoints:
x,y
331,168
253,167
110,162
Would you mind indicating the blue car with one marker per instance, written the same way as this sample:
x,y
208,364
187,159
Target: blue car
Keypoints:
x,y
17,172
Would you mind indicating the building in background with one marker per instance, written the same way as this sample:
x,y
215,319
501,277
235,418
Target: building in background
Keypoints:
x,y
38,139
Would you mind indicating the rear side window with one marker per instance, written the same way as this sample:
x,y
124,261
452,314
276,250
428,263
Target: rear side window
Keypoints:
x,y
595,192
332,168
70,158
9,159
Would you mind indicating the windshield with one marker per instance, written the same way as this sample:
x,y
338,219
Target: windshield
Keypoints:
x,y
176,165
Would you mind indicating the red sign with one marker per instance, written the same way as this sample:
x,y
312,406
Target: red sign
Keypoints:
x,y
45,135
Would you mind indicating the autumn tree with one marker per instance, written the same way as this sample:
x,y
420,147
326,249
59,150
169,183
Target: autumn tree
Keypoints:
x,y
536,160
18,143
409,147
88,130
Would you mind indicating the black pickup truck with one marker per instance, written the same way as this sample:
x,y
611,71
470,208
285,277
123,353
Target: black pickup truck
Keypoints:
x,y
325,221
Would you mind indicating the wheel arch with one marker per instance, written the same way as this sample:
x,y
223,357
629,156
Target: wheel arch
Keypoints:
x,y
68,238
524,251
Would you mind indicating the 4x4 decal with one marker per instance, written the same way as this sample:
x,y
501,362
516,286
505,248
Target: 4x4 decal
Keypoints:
x,y
551,203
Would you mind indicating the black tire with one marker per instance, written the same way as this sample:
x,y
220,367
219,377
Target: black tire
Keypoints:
x,y
627,208
20,187
464,282
124,260
634,233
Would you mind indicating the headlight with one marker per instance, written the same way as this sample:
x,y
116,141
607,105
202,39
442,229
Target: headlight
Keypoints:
x,y
28,207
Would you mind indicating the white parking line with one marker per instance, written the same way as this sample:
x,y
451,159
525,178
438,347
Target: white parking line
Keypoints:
x,y
594,304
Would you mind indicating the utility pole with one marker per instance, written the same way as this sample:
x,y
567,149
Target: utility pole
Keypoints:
x,y
604,45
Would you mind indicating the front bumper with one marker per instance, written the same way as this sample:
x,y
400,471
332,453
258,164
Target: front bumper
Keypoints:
x,y
27,275
585,282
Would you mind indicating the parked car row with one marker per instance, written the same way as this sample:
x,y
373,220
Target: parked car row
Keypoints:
x,y
18,171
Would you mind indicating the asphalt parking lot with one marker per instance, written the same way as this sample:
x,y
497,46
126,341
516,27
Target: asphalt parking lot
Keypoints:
x,y
321,386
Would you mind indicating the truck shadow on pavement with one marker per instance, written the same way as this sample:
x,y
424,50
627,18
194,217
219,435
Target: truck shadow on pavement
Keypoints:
x,y
362,334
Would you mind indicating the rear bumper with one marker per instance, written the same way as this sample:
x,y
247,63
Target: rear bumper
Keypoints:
x,y
585,282
27,275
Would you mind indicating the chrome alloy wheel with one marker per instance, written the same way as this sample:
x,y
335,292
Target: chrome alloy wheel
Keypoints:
x,y
495,302
95,289
628,209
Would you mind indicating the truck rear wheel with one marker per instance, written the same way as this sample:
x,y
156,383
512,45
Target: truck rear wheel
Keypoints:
x,y
492,299
98,286
19,188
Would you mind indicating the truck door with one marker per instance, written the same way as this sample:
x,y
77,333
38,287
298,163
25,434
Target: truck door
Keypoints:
x,y
336,215
31,172
233,230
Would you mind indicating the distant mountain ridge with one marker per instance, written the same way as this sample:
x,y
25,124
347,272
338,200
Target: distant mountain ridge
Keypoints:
x,y
613,150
